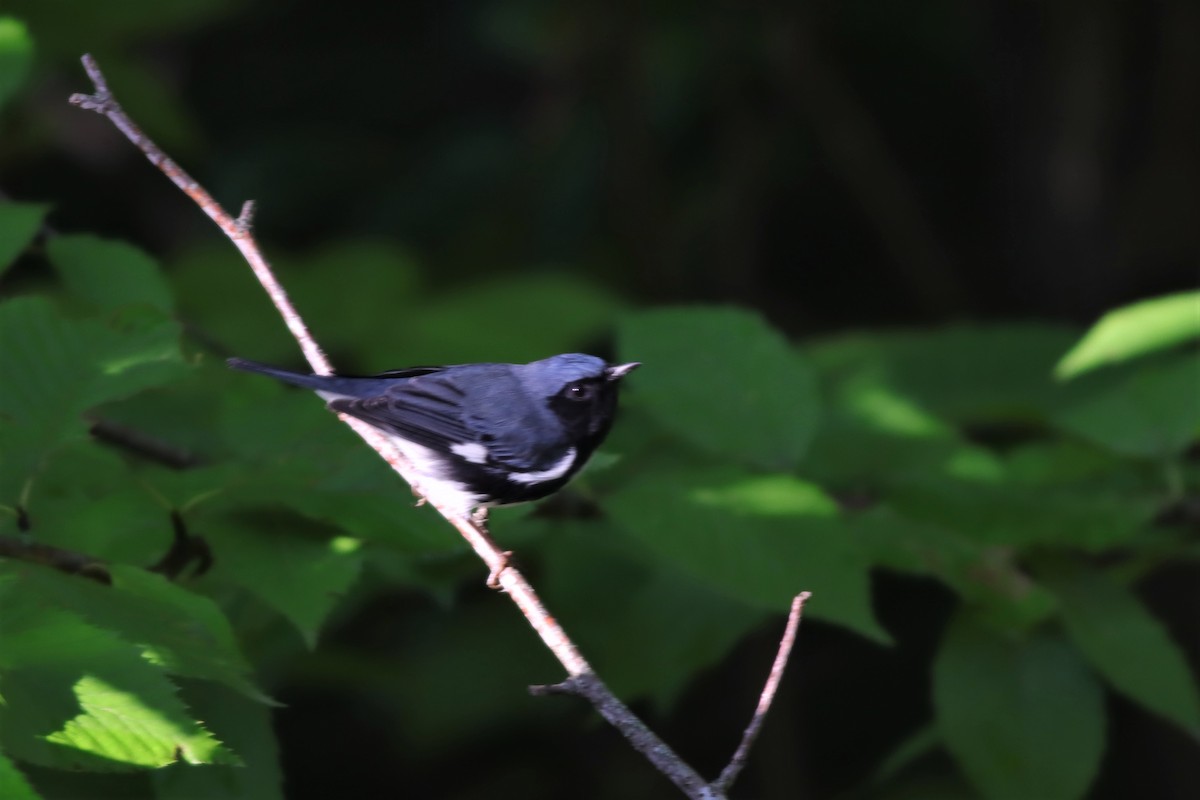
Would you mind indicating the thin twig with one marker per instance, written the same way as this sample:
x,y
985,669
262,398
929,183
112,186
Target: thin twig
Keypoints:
x,y
22,548
141,444
509,579
730,773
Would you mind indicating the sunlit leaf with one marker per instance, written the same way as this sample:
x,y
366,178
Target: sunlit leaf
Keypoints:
x,y
79,697
1134,330
246,727
183,632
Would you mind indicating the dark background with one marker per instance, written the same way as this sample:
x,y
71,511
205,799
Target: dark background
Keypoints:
x,y
835,165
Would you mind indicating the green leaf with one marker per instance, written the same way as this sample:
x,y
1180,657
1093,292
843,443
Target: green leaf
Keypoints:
x,y
723,380
184,633
1108,623
1134,330
1152,413
87,499
1024,718
13,785
246,727
78,697
487,321
307,575
759,538
1012,515
16,56
107,273
53,369
961,373
18,221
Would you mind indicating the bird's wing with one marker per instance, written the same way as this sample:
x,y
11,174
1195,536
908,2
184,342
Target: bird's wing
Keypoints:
x,y
434,411
427,411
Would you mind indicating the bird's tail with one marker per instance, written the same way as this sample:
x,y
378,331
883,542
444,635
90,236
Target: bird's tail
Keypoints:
x,y
295,378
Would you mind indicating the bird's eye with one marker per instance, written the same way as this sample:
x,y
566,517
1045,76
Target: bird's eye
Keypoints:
x,y
581,391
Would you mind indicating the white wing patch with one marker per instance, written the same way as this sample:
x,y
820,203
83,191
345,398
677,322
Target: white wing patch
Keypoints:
x,y
560,468
471,451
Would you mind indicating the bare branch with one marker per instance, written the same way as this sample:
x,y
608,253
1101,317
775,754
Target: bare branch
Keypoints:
x,y
22,548
581,677
142,444
102,102
591,688
730,773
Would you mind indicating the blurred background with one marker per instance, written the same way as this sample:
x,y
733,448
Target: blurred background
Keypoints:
x,y
833,165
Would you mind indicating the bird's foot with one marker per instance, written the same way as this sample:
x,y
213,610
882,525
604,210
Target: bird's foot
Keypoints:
x,y
480,517
493,580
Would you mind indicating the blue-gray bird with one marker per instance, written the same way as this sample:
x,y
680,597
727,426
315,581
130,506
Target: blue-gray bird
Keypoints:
x,y
482,435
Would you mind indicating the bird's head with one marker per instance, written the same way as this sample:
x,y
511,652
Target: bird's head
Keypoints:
x,y
580,389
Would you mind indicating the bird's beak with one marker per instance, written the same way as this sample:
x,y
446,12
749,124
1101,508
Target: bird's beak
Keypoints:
x,y
618,371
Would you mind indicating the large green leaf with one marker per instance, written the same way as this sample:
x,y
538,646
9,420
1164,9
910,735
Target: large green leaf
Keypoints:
x,y
1153,412
307,575
759,538
1134,330
18,221
107,273
1012,515
1109,623
1024,718
54,368
79,697
88,500
183,632
16,55
519,318
723,380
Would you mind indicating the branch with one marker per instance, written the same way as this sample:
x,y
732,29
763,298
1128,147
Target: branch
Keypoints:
x,y
730,773
22,548
185,550
582,679
141,444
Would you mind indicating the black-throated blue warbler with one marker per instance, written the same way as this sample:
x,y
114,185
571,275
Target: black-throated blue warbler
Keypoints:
x,y
481,435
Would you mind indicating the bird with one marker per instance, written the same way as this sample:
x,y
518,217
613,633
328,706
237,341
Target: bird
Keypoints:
x,y
481,435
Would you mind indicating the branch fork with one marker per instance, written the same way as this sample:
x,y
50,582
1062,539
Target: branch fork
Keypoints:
x,y
582,681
